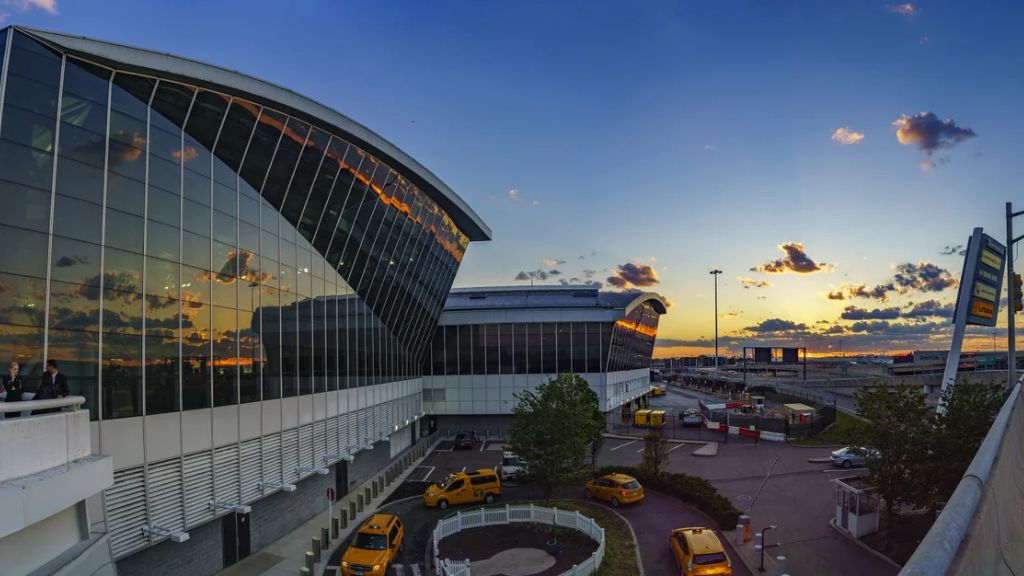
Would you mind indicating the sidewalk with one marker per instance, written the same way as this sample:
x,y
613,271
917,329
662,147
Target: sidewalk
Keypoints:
x,y
286,555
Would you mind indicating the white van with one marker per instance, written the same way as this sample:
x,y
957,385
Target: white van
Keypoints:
x,y
511,466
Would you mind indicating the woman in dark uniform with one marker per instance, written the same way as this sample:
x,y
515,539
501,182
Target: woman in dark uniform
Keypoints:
x,y
14,386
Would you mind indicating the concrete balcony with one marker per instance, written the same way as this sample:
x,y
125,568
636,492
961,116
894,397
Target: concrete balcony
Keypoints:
x,y
47,471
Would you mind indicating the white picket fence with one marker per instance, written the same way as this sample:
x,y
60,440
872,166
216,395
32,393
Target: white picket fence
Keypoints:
x,y
512,514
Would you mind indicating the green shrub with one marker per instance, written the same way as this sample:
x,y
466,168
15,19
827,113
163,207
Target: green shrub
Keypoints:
x,y
693,490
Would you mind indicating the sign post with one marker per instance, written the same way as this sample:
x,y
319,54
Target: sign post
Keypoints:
x,y
977,300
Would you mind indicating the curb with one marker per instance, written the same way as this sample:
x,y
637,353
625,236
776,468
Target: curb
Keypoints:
x,y
890,561
815,446
672,440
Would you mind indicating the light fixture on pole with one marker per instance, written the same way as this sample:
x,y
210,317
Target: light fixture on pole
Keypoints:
x,y
237,508
175,535
320,471
275,486
715,273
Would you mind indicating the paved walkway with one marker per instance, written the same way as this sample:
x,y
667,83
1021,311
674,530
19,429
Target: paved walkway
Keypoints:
x,y
286,555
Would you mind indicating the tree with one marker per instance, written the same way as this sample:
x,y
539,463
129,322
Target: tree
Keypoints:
x,y
552,428
655,456
896,427
958,432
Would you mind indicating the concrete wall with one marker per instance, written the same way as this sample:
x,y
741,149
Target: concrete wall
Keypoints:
x,y
280,513
28,549
368,463
201,555
483,424
37,443
995,538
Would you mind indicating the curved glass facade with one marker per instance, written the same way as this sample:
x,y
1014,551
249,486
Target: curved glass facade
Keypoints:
x,y
544,347
175,247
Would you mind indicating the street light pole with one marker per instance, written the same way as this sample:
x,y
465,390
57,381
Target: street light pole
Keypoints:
x,y
715,273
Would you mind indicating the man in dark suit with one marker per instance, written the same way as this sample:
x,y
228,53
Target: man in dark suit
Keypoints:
x,y
52,385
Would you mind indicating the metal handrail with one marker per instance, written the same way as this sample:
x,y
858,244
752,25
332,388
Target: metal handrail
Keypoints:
x,y
935,553
25,405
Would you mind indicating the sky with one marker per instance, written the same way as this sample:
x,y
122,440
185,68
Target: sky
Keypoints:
x,y
831,158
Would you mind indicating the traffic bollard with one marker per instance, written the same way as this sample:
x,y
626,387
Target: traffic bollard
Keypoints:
x,y
374,489
359,503
310,561
351,511
304,571
325,539
334,527
316,550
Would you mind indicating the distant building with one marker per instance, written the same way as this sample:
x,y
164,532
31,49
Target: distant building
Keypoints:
x,y
493,342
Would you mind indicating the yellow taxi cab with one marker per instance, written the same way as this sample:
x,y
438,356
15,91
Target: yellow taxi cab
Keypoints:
x,y
464,487
375,545
657,391
615,488
699,552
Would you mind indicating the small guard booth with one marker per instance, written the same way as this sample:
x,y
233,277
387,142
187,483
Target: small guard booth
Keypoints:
x,y
856,506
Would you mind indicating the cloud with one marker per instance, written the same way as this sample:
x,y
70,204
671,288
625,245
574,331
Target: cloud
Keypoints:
x,y
930,309
905,9
751,283
923,276
709,147
959,250
870,327
795,260
22,6
845,136
553,261
855,313
879,292
539,274
513,193
834,329
836,295
776,325
574,281
68,261
926,131
535,202
633,274
730,314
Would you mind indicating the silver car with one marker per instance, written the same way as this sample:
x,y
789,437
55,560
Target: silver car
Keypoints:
x,y
852,456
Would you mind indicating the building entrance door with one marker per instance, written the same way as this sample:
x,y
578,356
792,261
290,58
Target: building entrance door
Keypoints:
x,y
236,538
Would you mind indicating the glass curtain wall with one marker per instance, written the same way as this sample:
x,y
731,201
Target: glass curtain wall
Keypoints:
x,y
181,248
524,348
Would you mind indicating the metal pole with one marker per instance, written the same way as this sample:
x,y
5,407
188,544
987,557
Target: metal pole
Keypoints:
x,y
715,273
1011,333
960,320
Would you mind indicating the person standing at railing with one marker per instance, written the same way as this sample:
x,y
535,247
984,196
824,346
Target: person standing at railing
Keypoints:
x,y
14,386
52,385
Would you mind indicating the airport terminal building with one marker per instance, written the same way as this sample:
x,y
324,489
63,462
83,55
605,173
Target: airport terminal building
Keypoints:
x,y
240,281
493,342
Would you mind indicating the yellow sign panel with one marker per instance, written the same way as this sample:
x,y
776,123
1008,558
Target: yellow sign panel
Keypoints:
x,y
984,291
992,259
982,309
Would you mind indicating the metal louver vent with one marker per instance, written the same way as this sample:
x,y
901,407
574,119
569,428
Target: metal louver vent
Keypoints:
x,y
165,494
272,458
306,446
319,442
290,454
198,487
126,511
251,470
225,464
334,445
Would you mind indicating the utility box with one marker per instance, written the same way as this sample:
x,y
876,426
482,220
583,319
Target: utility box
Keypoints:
x,y
656,419
642,418
742,529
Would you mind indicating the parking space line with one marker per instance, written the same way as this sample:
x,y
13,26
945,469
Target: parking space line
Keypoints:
x,y
640,450
674,447
415,569
624,445
427,475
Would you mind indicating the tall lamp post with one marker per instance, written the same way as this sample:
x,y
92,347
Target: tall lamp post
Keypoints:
x,y
715,273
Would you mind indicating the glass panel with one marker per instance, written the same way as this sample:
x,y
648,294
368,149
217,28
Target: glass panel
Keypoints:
x,y
122,376
77,219
235,133
549,340
465,350
261,149
205,118
519,348
77,356
162,369
252,356
22,300
75,261
195,357
23,344
170,105
124,231
285,159
24,206
225,356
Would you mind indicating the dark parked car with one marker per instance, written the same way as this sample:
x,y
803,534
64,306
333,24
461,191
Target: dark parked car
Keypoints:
x,y
466,439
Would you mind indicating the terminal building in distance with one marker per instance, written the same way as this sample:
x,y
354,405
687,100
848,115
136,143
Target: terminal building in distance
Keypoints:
x,y
494,342
241,283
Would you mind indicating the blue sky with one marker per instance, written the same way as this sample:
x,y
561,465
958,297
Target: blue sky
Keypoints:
x,y
678,136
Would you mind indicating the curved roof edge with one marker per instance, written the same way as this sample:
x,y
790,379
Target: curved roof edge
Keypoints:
x,y
464,216
658,302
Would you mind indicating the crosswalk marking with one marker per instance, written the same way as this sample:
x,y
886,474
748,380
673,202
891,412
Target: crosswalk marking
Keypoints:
x,y
400,570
